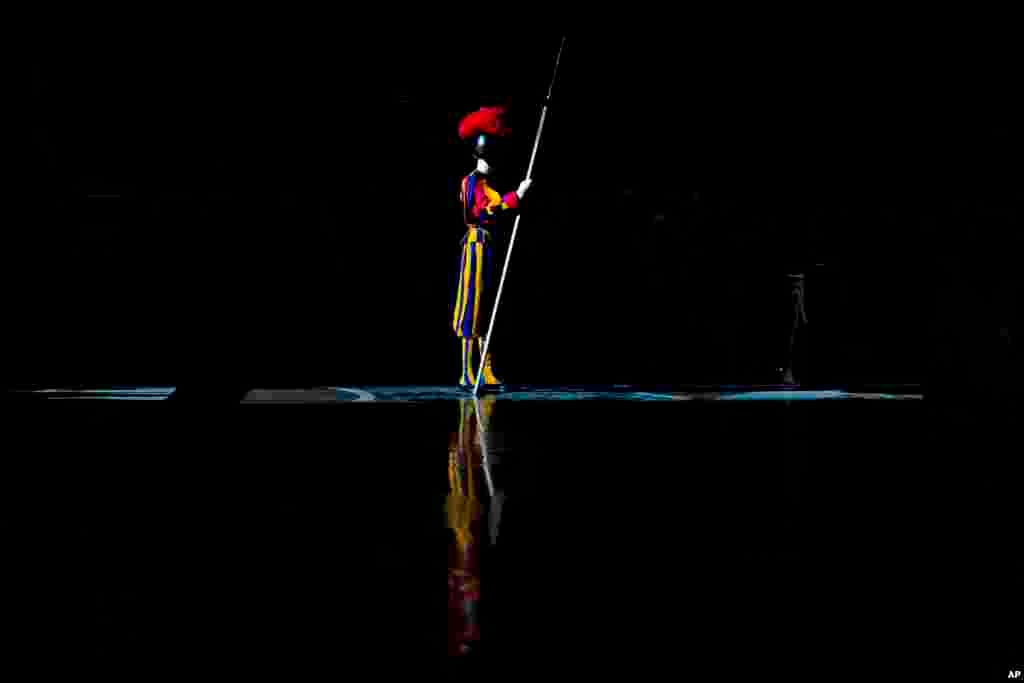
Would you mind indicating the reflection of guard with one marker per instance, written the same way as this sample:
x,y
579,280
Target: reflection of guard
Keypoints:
x,y
481,207
464,512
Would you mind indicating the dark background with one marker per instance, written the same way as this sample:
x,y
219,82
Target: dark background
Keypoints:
x,y
285,214
284,207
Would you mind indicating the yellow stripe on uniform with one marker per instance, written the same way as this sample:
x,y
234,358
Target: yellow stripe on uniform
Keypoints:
x,y
464,288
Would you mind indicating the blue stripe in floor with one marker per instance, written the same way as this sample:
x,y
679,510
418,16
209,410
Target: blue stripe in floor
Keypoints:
x,y
421,393
109,394
783,395
615,393
158,391
107,398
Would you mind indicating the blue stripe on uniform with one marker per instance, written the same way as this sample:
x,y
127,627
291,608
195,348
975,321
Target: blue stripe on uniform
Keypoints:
x,y
459,300
487,267
470,198
467,322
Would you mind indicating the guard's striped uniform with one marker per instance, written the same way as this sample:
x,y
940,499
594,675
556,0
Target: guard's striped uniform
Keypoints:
x,y
482,206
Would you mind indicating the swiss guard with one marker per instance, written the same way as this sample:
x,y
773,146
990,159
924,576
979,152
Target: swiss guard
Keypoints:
x,y
482,206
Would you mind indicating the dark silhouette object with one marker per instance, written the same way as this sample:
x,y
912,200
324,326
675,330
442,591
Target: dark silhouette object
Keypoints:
x,y
796,295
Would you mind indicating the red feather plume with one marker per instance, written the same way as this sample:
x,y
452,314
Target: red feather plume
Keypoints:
x,y
486,121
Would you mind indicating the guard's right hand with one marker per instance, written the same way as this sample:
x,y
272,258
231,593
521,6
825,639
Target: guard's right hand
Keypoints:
x,y
523,187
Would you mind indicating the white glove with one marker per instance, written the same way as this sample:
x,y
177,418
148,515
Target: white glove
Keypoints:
x,y
523,187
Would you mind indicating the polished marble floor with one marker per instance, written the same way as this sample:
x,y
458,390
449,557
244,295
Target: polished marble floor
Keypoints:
x,y
513,533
